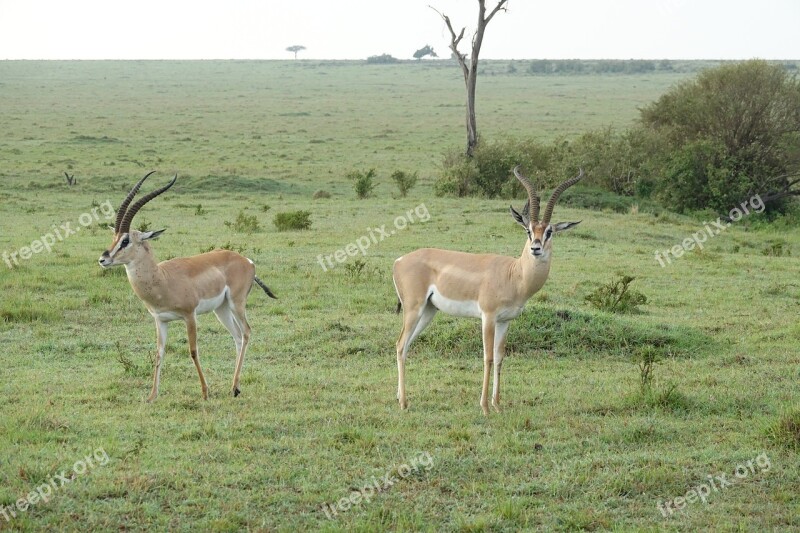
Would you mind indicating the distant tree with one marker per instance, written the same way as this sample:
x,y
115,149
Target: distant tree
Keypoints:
x,y
382,59
425,51
470,70
295,48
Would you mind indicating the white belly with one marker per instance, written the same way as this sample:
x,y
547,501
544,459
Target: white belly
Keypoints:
x,y
467,308
211,303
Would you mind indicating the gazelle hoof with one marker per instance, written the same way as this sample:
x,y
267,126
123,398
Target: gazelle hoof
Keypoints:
x,y
236,392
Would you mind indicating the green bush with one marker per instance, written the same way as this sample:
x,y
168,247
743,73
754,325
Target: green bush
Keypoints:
x,y
363,182
292,220
405,181
244,223
617,296
489,172
735,130
459,176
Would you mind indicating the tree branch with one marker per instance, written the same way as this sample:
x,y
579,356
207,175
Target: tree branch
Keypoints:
x,y
454,41
501,6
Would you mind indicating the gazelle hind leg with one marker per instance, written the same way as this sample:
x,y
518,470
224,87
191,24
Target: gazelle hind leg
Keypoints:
x,y
191,333
413,324
240,316
500,331
161,346
225,316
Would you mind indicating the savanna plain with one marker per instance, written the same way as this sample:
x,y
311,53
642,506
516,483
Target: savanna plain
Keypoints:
x,y
581,443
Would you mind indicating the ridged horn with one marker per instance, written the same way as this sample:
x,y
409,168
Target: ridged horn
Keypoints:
x,y
548,210
126,221
533,197
124,205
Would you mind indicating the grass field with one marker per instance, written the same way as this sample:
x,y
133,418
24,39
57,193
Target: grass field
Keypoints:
x,y
579,444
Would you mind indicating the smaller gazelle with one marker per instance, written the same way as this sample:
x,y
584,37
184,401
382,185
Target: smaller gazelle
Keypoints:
x,y
182,288
491,287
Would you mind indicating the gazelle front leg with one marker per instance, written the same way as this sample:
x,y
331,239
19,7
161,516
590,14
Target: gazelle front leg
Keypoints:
x,y
488,324
501,329
161,344
191,333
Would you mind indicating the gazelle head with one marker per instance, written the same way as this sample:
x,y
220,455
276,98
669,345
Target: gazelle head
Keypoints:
x,y
128,243
540,232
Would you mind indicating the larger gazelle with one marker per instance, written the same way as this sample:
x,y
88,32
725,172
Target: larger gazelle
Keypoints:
x,y
491,287
182,288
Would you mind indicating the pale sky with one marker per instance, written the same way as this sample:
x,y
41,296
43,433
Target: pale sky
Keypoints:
x,y
355,29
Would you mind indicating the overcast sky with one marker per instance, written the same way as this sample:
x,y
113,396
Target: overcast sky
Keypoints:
x,y
355,29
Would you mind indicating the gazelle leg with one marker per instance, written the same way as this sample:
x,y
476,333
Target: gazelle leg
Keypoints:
x,y
161,345
226,317
414,322
240,315
488,326
191,333
500,331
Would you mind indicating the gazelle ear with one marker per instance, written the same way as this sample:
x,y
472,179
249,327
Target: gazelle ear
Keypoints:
x,y
561,226
151,234
522,219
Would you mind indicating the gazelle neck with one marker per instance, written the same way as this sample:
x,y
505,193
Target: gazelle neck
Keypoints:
x,y
532,270
144,274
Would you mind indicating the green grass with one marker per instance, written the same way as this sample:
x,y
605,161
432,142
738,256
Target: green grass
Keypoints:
x,y
579,445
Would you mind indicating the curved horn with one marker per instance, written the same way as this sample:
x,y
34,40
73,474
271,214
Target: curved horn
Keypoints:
x,y
548,211
124,205
533,198
126,222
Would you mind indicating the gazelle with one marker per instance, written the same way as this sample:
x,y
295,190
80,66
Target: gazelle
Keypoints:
x,y
182,288
491,287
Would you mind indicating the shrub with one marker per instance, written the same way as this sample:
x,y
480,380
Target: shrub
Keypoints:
x,y
617,297
405,181
736,129
489,172
244,223
363,182
621,162
459,176
292,220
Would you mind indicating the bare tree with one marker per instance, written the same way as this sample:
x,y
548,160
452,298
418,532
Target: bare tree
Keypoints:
x,y
295,48
470,69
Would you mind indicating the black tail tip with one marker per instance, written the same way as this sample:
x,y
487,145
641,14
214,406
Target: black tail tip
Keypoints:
x,y
399,306
264,286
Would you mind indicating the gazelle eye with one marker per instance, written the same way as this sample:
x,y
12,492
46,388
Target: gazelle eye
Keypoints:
x,y
125,242
548,234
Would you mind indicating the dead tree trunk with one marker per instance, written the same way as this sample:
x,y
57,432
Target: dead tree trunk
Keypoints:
x,y
470,69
